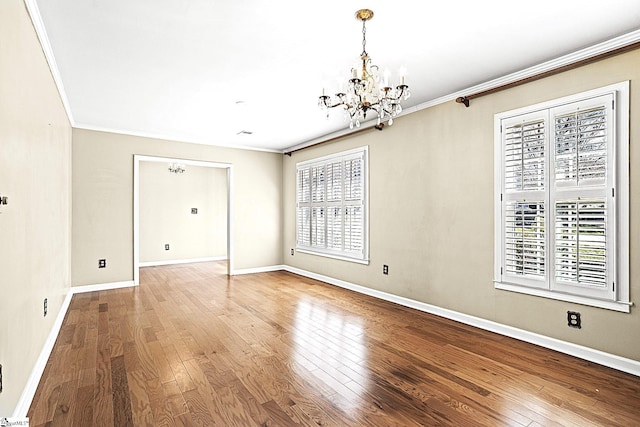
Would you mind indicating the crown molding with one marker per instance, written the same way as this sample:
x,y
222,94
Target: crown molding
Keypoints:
x,y
172,137
41,32
562,61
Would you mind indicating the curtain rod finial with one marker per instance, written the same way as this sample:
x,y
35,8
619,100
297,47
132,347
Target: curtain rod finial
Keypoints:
x,y
463,100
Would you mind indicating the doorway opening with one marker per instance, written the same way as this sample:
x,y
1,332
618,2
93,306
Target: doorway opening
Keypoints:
x,y
138,159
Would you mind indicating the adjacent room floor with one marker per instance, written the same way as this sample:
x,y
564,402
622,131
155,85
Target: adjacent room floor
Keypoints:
x,y
190,346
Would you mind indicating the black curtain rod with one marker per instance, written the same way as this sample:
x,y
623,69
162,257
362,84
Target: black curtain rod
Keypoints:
x,y
378,127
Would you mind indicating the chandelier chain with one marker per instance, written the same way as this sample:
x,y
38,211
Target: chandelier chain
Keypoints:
x,y
364,38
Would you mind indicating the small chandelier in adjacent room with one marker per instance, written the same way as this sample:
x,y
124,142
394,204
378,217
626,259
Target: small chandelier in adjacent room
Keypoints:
x,y
176,168
365,90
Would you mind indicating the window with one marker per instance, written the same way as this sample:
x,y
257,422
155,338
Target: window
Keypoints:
x,y
331,206
562,199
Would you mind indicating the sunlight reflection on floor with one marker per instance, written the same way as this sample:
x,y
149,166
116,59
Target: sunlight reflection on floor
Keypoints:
x,y
331,346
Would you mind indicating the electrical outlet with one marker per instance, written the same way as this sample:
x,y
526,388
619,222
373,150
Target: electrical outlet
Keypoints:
x,y
166,247
292,252
45,307
102,263
194,211
573,319
385,269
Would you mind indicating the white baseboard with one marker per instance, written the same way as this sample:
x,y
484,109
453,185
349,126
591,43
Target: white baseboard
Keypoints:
x,y
30,388
258,270
181,261
101,287
611,360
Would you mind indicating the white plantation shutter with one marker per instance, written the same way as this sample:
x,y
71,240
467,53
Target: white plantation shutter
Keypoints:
x,y
303,221
318,184
581,242
524,238
353,232
335,174
583,197
353,183
303,211
331,205
353,207
581,145
557,205
334,181
525,155
334,228
318,222
304,185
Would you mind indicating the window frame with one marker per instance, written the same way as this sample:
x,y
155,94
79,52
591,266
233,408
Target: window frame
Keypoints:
x,y
360,152
617,167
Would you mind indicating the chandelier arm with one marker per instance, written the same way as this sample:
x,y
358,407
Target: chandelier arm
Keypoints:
x,y
396,97
346,105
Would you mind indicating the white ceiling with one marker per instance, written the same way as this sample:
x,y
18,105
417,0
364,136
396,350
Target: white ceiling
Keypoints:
x,y
176,69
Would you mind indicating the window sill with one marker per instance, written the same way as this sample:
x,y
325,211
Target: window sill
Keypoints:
x,y
333,256
621,306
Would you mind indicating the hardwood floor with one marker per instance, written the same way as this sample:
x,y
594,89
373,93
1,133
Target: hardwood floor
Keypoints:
x,y
191,347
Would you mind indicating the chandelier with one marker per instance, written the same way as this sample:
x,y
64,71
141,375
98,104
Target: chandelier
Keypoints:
x,y
176,168
365,90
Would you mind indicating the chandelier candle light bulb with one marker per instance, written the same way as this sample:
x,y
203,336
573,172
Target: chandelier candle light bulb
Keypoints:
x,y
363,92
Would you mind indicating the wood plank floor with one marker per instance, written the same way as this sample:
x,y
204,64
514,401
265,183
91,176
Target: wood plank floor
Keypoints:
x,y
190,347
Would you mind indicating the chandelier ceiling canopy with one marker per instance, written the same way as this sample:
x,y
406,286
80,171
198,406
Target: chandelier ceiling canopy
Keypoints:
x,y
365,90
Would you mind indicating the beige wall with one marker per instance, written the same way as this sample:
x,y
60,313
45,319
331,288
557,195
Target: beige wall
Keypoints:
x,y
426,172
166,200
35,165
103,202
